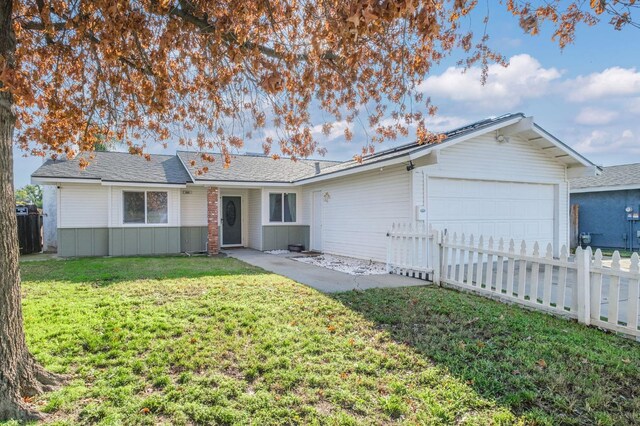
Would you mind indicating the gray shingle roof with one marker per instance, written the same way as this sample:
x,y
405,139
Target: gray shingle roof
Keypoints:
x,y
118,167
624,174
253,168
123,167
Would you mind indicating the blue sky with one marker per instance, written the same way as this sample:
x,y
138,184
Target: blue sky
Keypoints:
x,y
587,95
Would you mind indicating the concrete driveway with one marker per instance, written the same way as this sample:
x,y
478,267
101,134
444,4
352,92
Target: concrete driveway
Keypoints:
x,y
323,279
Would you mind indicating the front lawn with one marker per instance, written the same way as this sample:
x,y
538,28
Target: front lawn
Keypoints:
x,y
198,340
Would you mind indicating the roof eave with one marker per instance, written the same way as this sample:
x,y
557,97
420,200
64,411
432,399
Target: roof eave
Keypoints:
x,y
607,188
245,183
56,180
579,160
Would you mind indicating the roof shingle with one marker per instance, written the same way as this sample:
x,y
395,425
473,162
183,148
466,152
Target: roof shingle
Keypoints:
x,y
252,168
624,174
118,167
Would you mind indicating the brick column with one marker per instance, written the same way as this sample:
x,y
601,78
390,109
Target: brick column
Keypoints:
x,y
213,238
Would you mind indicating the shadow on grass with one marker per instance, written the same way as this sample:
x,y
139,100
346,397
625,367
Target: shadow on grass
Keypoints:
x,y
104,271
551,370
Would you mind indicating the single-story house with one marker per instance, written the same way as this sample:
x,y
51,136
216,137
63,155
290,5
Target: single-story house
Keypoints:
x,y
607,206
500,177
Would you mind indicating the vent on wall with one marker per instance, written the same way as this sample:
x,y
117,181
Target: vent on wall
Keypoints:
x,y
186,192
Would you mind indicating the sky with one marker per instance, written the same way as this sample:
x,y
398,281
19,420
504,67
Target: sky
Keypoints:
x,y
587,95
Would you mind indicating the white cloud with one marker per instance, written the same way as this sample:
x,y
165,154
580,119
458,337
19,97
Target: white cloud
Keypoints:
x,y
600,141
595,116
337,131
611,82
634,106
505,88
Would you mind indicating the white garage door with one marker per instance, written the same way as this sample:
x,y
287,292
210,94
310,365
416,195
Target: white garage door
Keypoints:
x,y
521,211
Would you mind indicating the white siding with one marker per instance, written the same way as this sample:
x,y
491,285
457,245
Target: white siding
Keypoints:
x,y
82,206
50,218
483,158
193,207
254,224
359,209
173,200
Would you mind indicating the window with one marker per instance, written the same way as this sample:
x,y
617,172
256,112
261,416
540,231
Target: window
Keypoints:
x,y
282,207
134,207
145,207
157,207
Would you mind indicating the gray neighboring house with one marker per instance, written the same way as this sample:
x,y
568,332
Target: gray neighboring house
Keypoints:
x,y
609,206
504,177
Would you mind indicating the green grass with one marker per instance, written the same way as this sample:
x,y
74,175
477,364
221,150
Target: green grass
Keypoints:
x,y
213,341
608,252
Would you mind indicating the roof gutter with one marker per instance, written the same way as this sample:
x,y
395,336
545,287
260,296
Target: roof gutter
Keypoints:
x,y
241,183
53,180
605,188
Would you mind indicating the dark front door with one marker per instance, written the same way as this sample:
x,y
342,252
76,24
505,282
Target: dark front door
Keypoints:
x,y
231,223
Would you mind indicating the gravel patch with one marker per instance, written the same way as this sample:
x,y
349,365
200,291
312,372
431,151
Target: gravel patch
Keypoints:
x,y
345,264
278,252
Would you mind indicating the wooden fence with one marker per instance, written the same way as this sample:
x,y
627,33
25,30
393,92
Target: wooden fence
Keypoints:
x,y
578,286
30,233
413,251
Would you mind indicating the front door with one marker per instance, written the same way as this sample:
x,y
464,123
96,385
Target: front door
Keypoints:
x,y
231,222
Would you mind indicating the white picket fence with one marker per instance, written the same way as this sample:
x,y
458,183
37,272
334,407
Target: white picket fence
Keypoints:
x,y
412,250
578,286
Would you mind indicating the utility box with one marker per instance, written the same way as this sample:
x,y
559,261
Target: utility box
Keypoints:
x,y
421,213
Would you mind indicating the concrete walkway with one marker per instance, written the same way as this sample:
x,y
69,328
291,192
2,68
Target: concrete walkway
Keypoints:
x,y
323,279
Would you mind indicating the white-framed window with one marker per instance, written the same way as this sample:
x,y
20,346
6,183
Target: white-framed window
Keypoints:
x,y
282,207
145,207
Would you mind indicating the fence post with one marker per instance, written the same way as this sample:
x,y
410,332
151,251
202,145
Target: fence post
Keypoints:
x,y
583,285
434,248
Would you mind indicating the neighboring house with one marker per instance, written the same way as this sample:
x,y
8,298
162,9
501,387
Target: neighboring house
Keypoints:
x,y
502,177
602,203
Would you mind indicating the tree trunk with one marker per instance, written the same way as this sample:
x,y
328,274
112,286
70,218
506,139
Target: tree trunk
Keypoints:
x,y
20,375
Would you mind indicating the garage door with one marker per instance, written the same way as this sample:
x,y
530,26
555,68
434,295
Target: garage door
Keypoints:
x,y
521,211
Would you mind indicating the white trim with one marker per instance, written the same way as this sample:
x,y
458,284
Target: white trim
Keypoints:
x,y
402,158
94,181
58,206
146,224
449,175
244,185
268,205
578,172
605,188
145,185
59,180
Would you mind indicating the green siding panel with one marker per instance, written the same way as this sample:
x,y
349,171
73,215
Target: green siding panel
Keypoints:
x,y
144,241
193,239
278,237
75,242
